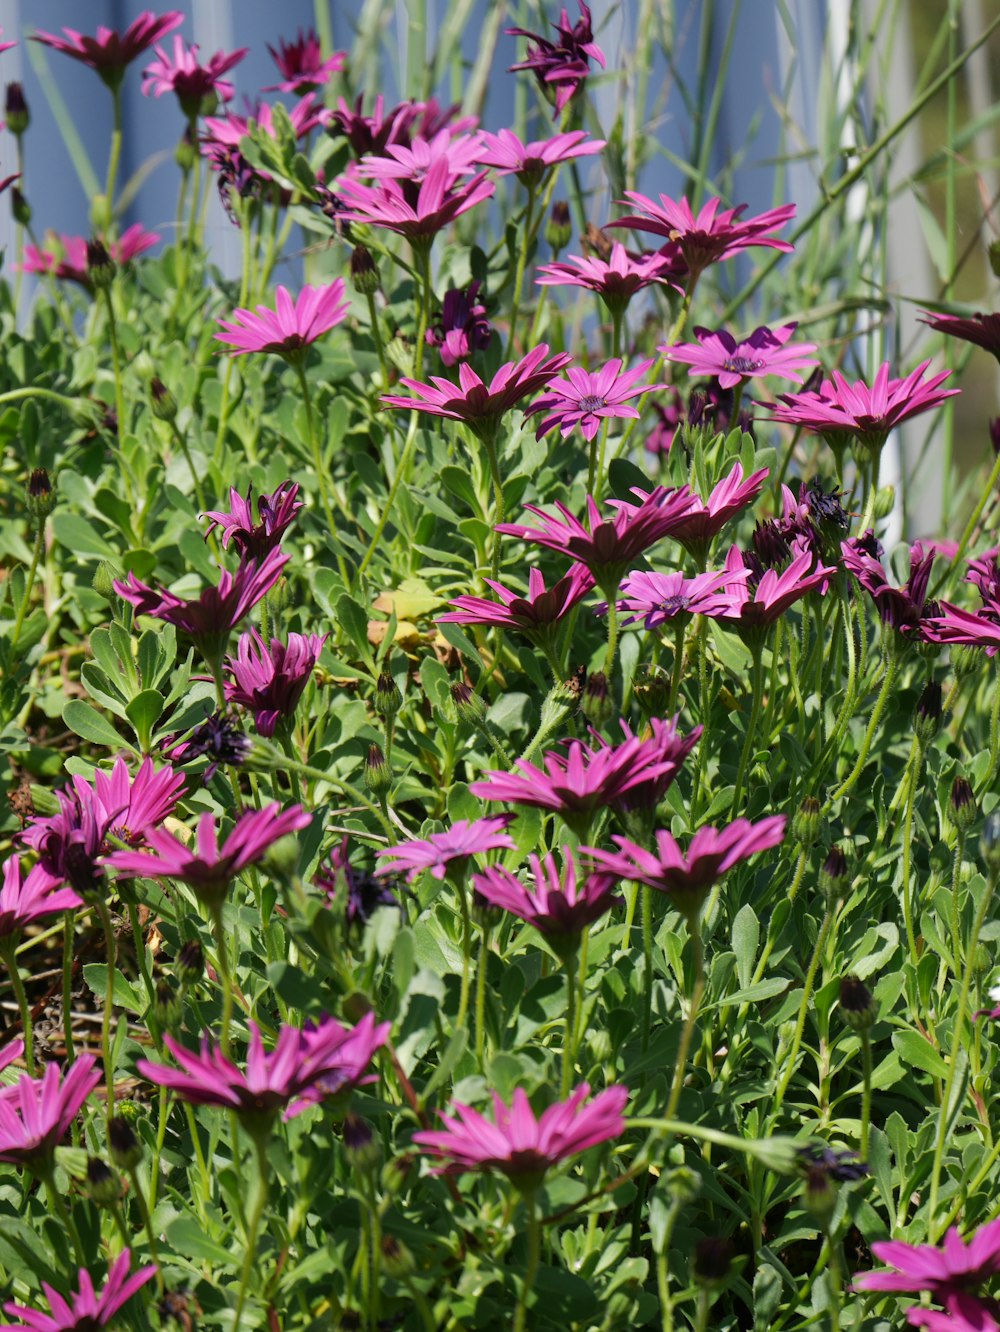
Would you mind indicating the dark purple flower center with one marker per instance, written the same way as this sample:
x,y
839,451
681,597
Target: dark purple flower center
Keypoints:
x,y
592,403
742,365
672,605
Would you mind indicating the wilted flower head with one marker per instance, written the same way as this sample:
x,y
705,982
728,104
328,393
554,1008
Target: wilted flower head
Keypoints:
x,y
66,256
702,520
217,737
35,1113
449,851
463,327
191,81
765,351
301,65
983,330
709,237
110,51
269,680
561,67
535,614
274,515
900,608
86,1310
365,892
586,398
291,327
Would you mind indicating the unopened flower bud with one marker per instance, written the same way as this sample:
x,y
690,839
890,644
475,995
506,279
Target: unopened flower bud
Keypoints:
x,y
104,579
559,228
124,1143
963,804
361,1147
833,875
281,860
41,499
396,1172
995,434
364,271
103,1187
993,255
819,1194
161,400
186,152
378,774
597,704
388,699
16,110
100,265
468,704
166,1004
964,657
806,822
713,1257
928,715
190,965
989,841
20,207
484,912
857,1003
652,691
397,1260
885,499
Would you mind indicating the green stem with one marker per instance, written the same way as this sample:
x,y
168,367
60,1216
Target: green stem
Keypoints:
x,y
911,792
463,999
182,444
65,1216
253,1227
866,1096
522,256
956,914
482,968
994,742
222,958
800,1021
69,941
22,610
868,515
147,1220
293,776
402,470
319,465
531,1267
977,513
647,964
757,685
111,953
888,681
113,158
694,1003
499,509
678,665
27,1031
609,657
568,1059
377,338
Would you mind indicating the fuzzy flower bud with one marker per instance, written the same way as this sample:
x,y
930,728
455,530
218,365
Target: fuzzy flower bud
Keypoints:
x,y
281,859
819,1193
41,499
16,110
963,804
166,1004
857,1003
360,1144
103,1187
100,265
397,1171
597,703
186,152
713,1257
806,822
104,579
161,400
928,714
965,658
20,207
388,699
364,271
397,1259
993,255
652,691
559,229
468,704
124,1144
885,498
833,875
190,964
378,775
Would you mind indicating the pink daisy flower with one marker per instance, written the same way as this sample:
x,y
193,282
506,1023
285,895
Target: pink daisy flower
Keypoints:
x,y
412,161
5,46
508,155
449,851
291,327
712,235
586,399
616,279
983,330
561,67
963,1313
558,904
207,867
66,257
275,514
519,1145
35,1113
901,608
659,598
441,198
955,1267
269,681
704,520
27,898
952,624
687,879
534,615
85,1308
755,604
301,65
228,131
190,81
765,352
110,52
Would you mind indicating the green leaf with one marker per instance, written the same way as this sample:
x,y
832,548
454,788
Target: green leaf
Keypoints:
x,y
144,712
746,937
96,976
755,994
916,1051
91,725
353,619
79,536
188,1237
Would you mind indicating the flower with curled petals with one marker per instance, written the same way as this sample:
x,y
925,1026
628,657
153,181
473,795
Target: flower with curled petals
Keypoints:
x,y
508,156
559,904
86,1310
25,898
953,624
962,1313
110,51
765,351
561,67
954,1267
449,852
269,680
982,330
301,65
659,598
586,399
441,198
615,279
516,1143
65,257
275,514
536,614
291,326
192,82
35,1113
705,519
463,327
901,608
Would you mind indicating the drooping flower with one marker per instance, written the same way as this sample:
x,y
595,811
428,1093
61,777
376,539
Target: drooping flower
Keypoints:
x,y
441,198
217,737
519,1145
35,1113
608,546
704,520
275,514
839,410
479,405
31,897
212,618
110,51
558,903
709,237
616,279
956,1267
561,67
983,330
270,680
952,624
687,879
507,155
586,399
901,608
962,1313
66,256
304,1067
291,326
755,604
5,46
191,81
301,65
449,851
365,892
86,1310
764,352
534,615
659,598
372,134
207,867
463,327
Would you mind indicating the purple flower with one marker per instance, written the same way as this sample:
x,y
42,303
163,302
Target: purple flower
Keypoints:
x,y
517,1144
963,1313
561,67
687,879
365,892
270,681
954,1268
702,521
85,1310
217,736
110,52
586,399
27,899
409,163
275,514
441,198
66,257
765,352
507,155
709,237
983,330
301,65
615,280
755,604
463,327
35,1113
658,598
901,608
291,327
207,868
190,81
534,615
454,847
557,905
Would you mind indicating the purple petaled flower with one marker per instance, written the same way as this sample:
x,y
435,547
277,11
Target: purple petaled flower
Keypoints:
x,y
303,1068
585,399
517,1144
755,604
274,512
365,892
85,1310
373,134
952,624
984,574
953,1268
463,327
579,782
66,257
24,899
608,546
110,52
659,598
839,410
687,879
291,326
301,64
6,46
207,868
765,352
709,237
190,81
35,1113
476,404
703,521
963,1313
507,155
410,163
667,420
981,329
449,852
228,131
534,615
218,737
616,279
561,67
441,198
212,618
269,681
10,1053
901,608
557,904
